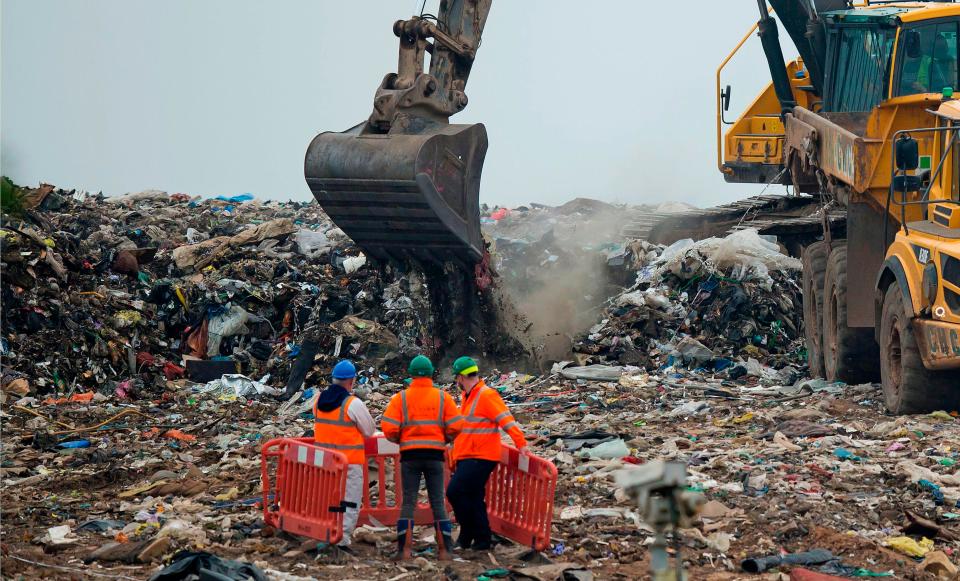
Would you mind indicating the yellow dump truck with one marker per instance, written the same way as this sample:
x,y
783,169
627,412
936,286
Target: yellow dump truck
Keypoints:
x,y
865,119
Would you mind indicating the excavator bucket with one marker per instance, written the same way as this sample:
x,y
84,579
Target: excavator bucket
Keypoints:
x,y
403,196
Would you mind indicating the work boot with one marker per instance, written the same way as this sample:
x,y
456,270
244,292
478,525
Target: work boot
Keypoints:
x,y
444,539
464,541
485,543
404,539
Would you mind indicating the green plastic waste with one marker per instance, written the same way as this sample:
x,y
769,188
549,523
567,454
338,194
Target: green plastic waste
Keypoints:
x,y
868,573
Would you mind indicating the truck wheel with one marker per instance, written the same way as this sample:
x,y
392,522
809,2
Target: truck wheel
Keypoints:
x,y
908,387
814,259
849,353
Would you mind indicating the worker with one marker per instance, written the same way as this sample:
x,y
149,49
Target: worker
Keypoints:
x,y
340,422
937,70
476,452
422,420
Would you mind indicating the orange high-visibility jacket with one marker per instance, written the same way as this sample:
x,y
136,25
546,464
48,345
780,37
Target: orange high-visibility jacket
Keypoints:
x,y
484,414
421,416
336,431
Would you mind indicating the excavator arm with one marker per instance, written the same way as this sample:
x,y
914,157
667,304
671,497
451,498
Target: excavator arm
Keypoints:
x,y
405,183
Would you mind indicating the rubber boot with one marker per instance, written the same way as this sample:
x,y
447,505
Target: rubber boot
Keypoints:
x,y
444,539
404,539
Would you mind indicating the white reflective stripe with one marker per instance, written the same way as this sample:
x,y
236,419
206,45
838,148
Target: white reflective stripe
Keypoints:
x,y
302,454
501,416
340,421
413,443
524,463
473,408
422,423
480,421
391,421
510,425
343,408
440,415
403,408
318,458
325,421
480,431
454,419
341,446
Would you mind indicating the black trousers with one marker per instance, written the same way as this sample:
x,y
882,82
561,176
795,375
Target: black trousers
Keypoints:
x,y
467,495
411,471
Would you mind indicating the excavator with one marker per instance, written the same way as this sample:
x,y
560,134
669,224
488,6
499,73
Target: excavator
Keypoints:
x,y
862,124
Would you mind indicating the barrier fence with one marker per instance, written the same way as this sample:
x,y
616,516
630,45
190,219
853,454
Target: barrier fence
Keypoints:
x,y
309,482
383,504
305,495
520,498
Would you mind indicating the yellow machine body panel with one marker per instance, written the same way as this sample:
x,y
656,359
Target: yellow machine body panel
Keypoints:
x,y
841,145
937,322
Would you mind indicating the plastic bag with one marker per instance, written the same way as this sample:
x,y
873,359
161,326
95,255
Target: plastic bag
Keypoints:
x,y
234,384
594,372
312,244
691,408
676,249
193,236
238,199
910,547
232,322
354,263
694,351
648,297
608,450
745,254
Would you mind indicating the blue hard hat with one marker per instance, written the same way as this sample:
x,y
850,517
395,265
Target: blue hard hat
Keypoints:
x,y
344,370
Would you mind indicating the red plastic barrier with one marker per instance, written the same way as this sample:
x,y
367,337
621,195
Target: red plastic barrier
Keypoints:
x,y
311,480
384,503
520,498
306,493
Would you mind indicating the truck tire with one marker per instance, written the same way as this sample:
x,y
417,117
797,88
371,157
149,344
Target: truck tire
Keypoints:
x,y
849,353
908,386
814,259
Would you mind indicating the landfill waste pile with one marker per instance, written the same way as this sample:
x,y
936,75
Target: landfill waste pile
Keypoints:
x,y
120,295
727,306
149,340
134,488
559,260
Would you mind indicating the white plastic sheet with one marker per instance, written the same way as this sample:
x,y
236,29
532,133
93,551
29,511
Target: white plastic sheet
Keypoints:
x,y
312,244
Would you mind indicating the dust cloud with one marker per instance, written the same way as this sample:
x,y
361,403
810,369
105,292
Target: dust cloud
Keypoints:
x,y
553,271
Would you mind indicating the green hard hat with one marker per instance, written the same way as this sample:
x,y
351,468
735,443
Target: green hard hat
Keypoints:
x,y
420,367
464,366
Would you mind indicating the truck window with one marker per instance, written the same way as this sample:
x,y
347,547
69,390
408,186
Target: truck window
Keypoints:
x,y
860,69
955,168
936,65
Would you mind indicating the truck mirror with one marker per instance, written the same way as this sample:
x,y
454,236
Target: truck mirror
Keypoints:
x,y
725,97
911,43
907,153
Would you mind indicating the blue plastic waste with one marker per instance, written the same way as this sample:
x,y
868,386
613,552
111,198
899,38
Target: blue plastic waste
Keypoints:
x,y
844,454
238,199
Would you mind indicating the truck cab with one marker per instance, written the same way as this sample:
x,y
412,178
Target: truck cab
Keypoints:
x,y
865,119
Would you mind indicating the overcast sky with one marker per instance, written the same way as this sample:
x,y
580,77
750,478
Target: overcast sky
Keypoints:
x,y
611,100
